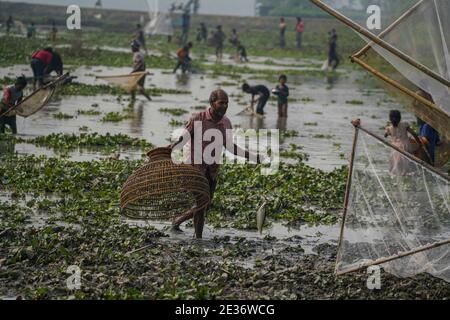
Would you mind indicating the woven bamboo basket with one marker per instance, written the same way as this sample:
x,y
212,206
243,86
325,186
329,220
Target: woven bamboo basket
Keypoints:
x,y
162,190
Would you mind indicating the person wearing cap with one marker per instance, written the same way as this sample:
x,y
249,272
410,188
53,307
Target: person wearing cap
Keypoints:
x,y
212,119
12,96
139,66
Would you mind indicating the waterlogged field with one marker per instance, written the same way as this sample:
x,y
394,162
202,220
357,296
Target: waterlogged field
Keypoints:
x,y
60,181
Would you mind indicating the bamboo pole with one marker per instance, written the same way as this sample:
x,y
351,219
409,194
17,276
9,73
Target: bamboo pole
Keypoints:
x,y
405,90
395,257
389,28
407,155
380,42
400,255
347,193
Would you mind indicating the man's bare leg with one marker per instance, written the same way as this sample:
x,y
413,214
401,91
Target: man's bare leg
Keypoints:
x,y
185,217
199,223
142,91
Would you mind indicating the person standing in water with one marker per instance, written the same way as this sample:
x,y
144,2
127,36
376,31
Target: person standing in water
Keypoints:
x,y
139,36
53,32
333,57
12,96
184,60
212,119
428,135
282,93
398,131
219,38
203,32
234,40
282,27
300,26
139,66
185,26
242,52
9,24
40,60
31,30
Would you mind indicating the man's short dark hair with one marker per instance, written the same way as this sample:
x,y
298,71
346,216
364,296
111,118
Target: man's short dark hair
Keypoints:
x,y
21,81
216,95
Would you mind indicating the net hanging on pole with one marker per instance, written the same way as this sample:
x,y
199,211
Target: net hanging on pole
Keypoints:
x,y
397,215
414,39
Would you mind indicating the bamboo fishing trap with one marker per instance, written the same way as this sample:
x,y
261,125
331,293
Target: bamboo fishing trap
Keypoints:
x,y
399,221
162,190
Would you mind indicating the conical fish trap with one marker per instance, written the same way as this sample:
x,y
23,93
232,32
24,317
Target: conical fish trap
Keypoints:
x,y
162,190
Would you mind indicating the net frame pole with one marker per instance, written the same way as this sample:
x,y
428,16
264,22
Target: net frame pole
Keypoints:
x,y
395,257
347,193
406,154
375,39
405,15
403,89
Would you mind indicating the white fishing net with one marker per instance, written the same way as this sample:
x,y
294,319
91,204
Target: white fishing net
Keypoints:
x,y
128,82
160,22
398,213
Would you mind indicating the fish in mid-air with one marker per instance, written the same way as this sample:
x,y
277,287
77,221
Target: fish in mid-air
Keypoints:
x,y
261,217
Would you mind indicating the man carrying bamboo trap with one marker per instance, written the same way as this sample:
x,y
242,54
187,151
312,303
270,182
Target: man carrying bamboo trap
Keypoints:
x,y
213,119
12,96
139,66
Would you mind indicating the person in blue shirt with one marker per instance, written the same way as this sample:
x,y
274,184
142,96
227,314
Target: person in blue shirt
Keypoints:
x,y
428,135
430,138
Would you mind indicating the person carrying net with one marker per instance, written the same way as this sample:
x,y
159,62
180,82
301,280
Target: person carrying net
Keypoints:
x,y
139,66
12,96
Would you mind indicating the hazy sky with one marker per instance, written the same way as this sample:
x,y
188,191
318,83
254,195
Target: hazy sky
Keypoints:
x,y
222,7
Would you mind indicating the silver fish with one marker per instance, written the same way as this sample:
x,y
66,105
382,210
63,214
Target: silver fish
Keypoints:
x,y
261,217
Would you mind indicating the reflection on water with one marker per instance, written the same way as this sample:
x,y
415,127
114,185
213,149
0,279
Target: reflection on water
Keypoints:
x,y
306,236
